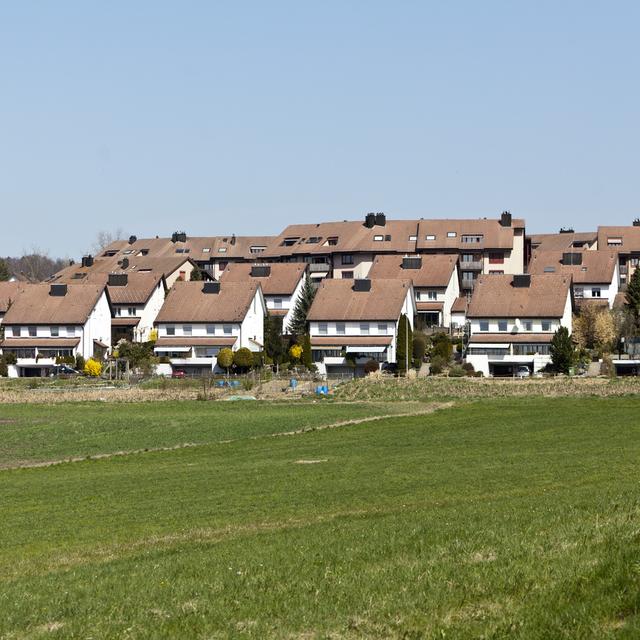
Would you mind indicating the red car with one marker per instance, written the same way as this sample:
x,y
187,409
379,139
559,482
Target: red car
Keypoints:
x,y
178,373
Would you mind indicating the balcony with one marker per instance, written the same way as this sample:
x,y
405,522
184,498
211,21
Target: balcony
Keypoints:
x,y
474,265
623,269
321,267
468,285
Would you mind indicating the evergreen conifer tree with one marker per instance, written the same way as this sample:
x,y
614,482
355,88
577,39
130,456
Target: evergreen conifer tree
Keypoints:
x,y
404,345
562,350
298,324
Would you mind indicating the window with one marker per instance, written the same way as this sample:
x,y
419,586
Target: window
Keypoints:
x,y
277,303
472,239
257,249
382,328
496,257
118,311
33,332
55,332
347,275
413,238
378,238
527,325
206,250
132,311
347,258
451,234
222,250
187,329
288,242
546,325
494,272
313,239
578,292
502,325
549,269
430,236
340,328
364,328
211,330
614,242
595,292
171,331
332,242
467,275
71,331
227,329
469,257
432,295
323,328
484,325
222,266
15,332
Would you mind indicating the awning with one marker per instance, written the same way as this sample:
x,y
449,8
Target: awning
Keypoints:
x,y
365,349
336,342
124,322
488,345
101,344
507,338
39,343
175,341
171,349
434,307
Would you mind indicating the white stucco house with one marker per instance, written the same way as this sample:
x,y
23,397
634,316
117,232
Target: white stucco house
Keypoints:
x,y
47,321
513,318
357,320
198,319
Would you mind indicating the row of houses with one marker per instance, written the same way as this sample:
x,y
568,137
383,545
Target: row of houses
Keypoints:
x,y
508,291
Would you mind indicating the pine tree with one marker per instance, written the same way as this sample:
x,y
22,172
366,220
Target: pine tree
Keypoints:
x,y
274,345
404,345
298,324
562,350
307,358
632,300
196,274
4,271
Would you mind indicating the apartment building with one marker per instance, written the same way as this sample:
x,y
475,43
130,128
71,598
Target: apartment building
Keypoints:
x,y
435,283
281,284
625,241
594,273
357,321
198,319
512,320
47,321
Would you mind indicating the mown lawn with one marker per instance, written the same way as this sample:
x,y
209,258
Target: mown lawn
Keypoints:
x,y
495,519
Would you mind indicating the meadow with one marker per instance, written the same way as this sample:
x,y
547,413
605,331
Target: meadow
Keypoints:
x,y
479,518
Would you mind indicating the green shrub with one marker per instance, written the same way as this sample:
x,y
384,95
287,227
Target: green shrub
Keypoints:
x,y
468,368
438,364
243,358
441,346
80,363
247,384
457,372
4,370
371,366
10,358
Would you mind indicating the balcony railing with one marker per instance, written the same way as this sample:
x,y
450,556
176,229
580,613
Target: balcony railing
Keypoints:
x,y
474,265
468,284
623,269
322,267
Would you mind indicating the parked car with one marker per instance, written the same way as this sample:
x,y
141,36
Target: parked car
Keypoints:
x,y
64,370
178,373
523,371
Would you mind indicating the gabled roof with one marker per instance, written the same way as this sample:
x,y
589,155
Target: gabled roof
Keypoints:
x,y
459,305
8,293
337,301
435,269
597,267
187,302
283,277
493,234
630,237
562,241
494,296
36,306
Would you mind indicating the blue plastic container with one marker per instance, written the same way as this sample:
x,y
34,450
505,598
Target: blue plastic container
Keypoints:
x,y
293,383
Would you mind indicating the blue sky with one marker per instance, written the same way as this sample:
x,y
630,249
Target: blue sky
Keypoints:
x,y
221,117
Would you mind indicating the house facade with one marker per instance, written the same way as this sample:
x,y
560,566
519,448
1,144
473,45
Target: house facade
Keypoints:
x,y
49,321
354,321
198,319
512,320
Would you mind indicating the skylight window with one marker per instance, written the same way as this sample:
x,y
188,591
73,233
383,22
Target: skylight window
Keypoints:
x,y
413,238
222,250
206,250
378,238
451,234
430,236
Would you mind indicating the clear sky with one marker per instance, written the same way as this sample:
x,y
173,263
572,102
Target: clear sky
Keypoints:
x,y
221,117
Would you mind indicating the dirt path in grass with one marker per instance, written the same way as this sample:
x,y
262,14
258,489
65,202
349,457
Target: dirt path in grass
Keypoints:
x,y
427,409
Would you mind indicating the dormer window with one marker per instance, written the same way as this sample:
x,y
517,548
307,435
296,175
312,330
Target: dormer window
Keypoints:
x,y
430,236
313,240
332,242
222,250
451,234
289,242
472,239
614,242
378,238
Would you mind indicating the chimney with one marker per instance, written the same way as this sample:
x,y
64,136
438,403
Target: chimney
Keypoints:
x,y
414,262
566,230
212,286
636,222
505,219
522,281
58,290
124,263
362,284
87,261
118,279
132,239
381,219
233,239
178,236
370,220
260,270
572,258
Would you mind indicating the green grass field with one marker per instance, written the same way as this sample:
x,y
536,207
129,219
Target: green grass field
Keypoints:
x,y
515,518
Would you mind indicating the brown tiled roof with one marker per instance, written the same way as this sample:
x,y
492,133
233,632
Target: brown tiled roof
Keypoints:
x,y
436,269
279,313
8,293
459,305
145,264
196,342
561,241
509,338
125,322
46,343
34,305
494,296
282,279
138,290
186,302
350,341
429,306
336,300
597,266
350,237
494,235
630,238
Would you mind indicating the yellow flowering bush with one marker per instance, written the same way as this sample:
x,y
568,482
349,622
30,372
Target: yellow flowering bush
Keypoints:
x,y
92,368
